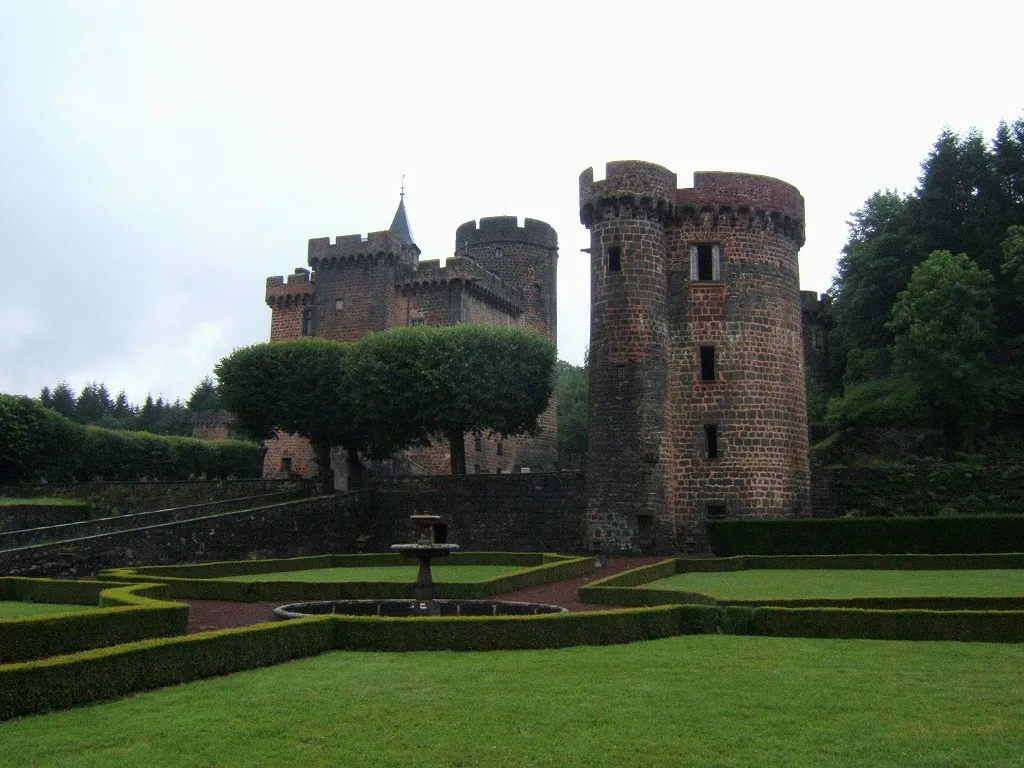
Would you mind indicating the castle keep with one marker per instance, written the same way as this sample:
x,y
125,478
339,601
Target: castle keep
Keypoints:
x,y
501,274
697,401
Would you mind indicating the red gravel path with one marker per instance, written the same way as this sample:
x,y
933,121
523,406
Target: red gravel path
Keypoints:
x,y
217,614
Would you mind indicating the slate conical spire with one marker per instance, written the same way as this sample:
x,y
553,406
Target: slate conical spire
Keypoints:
x,y
400,224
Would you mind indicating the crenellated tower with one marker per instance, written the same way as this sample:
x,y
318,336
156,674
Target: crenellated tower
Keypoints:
x,y
526,257
626,214
697,380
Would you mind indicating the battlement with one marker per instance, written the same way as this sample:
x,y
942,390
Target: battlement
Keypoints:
x,y
811,302
742,190
485,285
297,291
642,185
505,228
351,247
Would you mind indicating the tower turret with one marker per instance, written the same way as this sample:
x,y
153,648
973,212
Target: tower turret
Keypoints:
x,y
626,214
697,402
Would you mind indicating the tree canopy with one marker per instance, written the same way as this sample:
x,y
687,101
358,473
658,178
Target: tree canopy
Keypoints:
x,y
445,382
940,329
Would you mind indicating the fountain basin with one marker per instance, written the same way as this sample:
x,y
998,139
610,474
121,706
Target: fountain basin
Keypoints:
x,y
413,608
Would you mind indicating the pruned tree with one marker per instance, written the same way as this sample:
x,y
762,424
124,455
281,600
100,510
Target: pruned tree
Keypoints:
x,y
447,382
300,386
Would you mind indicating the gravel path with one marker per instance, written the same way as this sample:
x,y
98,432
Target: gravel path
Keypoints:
x,y
218,614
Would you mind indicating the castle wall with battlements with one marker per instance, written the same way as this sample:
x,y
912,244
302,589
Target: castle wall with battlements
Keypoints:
x,y
697,400
501,274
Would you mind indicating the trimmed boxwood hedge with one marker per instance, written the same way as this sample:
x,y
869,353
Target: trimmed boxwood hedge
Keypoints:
x,y
207,581
124,613
880,535
41,444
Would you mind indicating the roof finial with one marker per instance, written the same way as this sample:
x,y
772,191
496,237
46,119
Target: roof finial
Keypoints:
x,y
403,186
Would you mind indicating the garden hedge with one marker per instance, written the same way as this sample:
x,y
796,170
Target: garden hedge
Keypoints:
x,y
207,581
41,444
881,535
124,613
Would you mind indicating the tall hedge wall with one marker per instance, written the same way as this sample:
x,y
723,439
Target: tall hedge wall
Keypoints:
x,y
37,443
891,535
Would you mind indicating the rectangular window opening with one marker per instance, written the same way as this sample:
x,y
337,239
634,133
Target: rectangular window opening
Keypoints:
x,y
711,440
307,322
614,258
705,262
500,450
339,304
707,363
714,511
478,442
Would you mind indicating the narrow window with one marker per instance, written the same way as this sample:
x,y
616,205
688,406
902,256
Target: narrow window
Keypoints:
x,y
707,363
498,252
714,511
478,442
711,440
286,465
620,371
614,258
476,469
818,338
705,262
339,304
501,449
307,321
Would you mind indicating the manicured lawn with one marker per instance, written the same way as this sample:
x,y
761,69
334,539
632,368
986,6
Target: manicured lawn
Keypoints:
x,y
782,584
12,609
11,502
700,700
456,574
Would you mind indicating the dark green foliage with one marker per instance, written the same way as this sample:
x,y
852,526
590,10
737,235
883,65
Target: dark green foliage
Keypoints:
x,y
36,442
572,390
128,614
204,397
955,333
105,673
446,382
944,332
966,485
894,535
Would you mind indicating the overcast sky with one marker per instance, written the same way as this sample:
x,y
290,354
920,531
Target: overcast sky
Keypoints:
x,y
158,160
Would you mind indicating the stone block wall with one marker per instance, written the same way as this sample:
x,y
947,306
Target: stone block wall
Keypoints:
x,y
540,512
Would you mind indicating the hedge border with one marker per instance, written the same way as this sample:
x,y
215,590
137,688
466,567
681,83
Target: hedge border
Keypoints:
x,y
879,535
626,588
201,582
124,613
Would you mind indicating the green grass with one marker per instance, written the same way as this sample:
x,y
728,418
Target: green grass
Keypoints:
x,y
699,700
40,501
13,609
455,574
759,584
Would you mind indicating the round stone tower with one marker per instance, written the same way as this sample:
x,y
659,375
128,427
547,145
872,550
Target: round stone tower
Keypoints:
x,y
697,401
526,258
626,214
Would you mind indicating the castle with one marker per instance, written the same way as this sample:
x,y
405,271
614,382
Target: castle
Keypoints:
x,y
697,355
699,342
501,274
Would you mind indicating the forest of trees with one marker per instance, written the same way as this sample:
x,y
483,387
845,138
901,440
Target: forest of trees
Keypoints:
x,y
927,313
94,406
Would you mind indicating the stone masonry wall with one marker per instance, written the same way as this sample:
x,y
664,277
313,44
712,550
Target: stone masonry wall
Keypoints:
x,y
315,526
540,512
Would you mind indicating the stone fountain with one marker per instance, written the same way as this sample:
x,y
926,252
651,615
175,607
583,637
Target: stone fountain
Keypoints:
x,y
423,603
425,550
